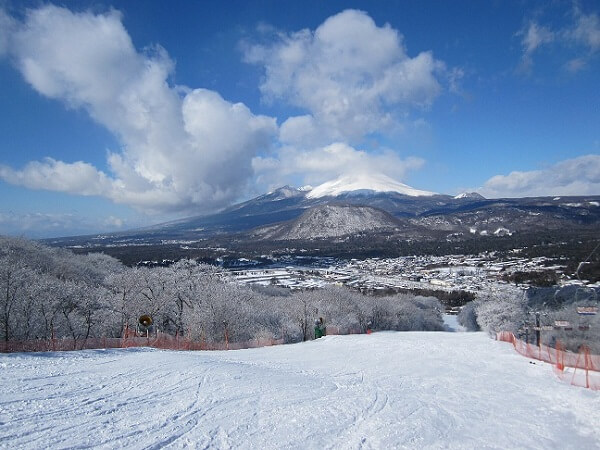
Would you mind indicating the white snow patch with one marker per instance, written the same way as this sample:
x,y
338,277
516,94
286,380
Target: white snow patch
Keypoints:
x,y
451,323
474,195
501,231
283,193
385,390
365,182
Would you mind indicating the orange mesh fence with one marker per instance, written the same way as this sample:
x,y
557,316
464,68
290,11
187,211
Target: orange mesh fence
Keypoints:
x,y
579,369
160,341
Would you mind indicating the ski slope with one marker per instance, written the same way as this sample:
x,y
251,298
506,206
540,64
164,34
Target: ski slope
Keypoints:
x,y
385,390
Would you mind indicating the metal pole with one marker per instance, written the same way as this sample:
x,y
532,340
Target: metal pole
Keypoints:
x,y
537,328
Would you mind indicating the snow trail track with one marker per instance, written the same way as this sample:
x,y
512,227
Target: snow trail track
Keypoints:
x,y
385,390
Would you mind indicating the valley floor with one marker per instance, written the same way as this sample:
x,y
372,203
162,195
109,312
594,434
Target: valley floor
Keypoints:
x,y
385,390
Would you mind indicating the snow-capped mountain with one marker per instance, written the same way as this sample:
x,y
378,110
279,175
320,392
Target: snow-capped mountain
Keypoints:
x,y
418,214
469,195
283,193
365,183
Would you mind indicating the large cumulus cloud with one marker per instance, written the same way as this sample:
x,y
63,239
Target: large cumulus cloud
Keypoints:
x,y
182,149
352,80
351,76
186,149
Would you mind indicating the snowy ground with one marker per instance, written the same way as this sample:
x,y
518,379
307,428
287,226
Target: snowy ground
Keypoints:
x,y
385,390
451,323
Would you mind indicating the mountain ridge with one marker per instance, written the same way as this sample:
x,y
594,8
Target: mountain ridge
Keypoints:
x,y
426,217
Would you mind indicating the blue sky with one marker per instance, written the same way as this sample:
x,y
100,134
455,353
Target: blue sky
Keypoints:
x,y
121,114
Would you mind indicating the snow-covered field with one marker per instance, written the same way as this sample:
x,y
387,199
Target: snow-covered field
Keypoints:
x,y
385,390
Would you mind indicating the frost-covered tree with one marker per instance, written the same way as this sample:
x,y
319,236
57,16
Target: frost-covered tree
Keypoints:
x,y
419,314
124,289
156,295
467,317
193,283
17,272
47,294
502,311
303,310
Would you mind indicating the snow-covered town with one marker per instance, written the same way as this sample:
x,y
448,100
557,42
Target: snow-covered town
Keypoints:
x,y
469,273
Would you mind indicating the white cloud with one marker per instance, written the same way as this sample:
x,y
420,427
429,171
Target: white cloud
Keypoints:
x,y
534,37
582,33
189,150
182,149
6,26
352,77
577,176
586,30
113,221
325,163
575,65
78,177
43,225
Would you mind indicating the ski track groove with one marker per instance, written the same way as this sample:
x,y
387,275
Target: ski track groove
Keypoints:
x,y
365,419
191,416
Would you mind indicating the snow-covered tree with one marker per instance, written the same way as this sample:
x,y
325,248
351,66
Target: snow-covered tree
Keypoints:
x,y
501,311
16,275
467,317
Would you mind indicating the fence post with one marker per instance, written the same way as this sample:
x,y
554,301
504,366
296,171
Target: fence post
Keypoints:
x,y
588,361
576,367
560,357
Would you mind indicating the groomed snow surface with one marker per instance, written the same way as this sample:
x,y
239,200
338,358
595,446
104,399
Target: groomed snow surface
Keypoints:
x,y
384,390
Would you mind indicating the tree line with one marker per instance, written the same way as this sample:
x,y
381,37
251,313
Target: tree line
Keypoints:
x,y
51,292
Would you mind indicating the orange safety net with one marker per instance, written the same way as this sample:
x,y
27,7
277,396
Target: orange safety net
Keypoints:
x,y
131,338
158,340
579,369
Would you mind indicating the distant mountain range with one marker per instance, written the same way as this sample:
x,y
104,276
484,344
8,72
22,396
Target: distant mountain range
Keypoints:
x,y
365,205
